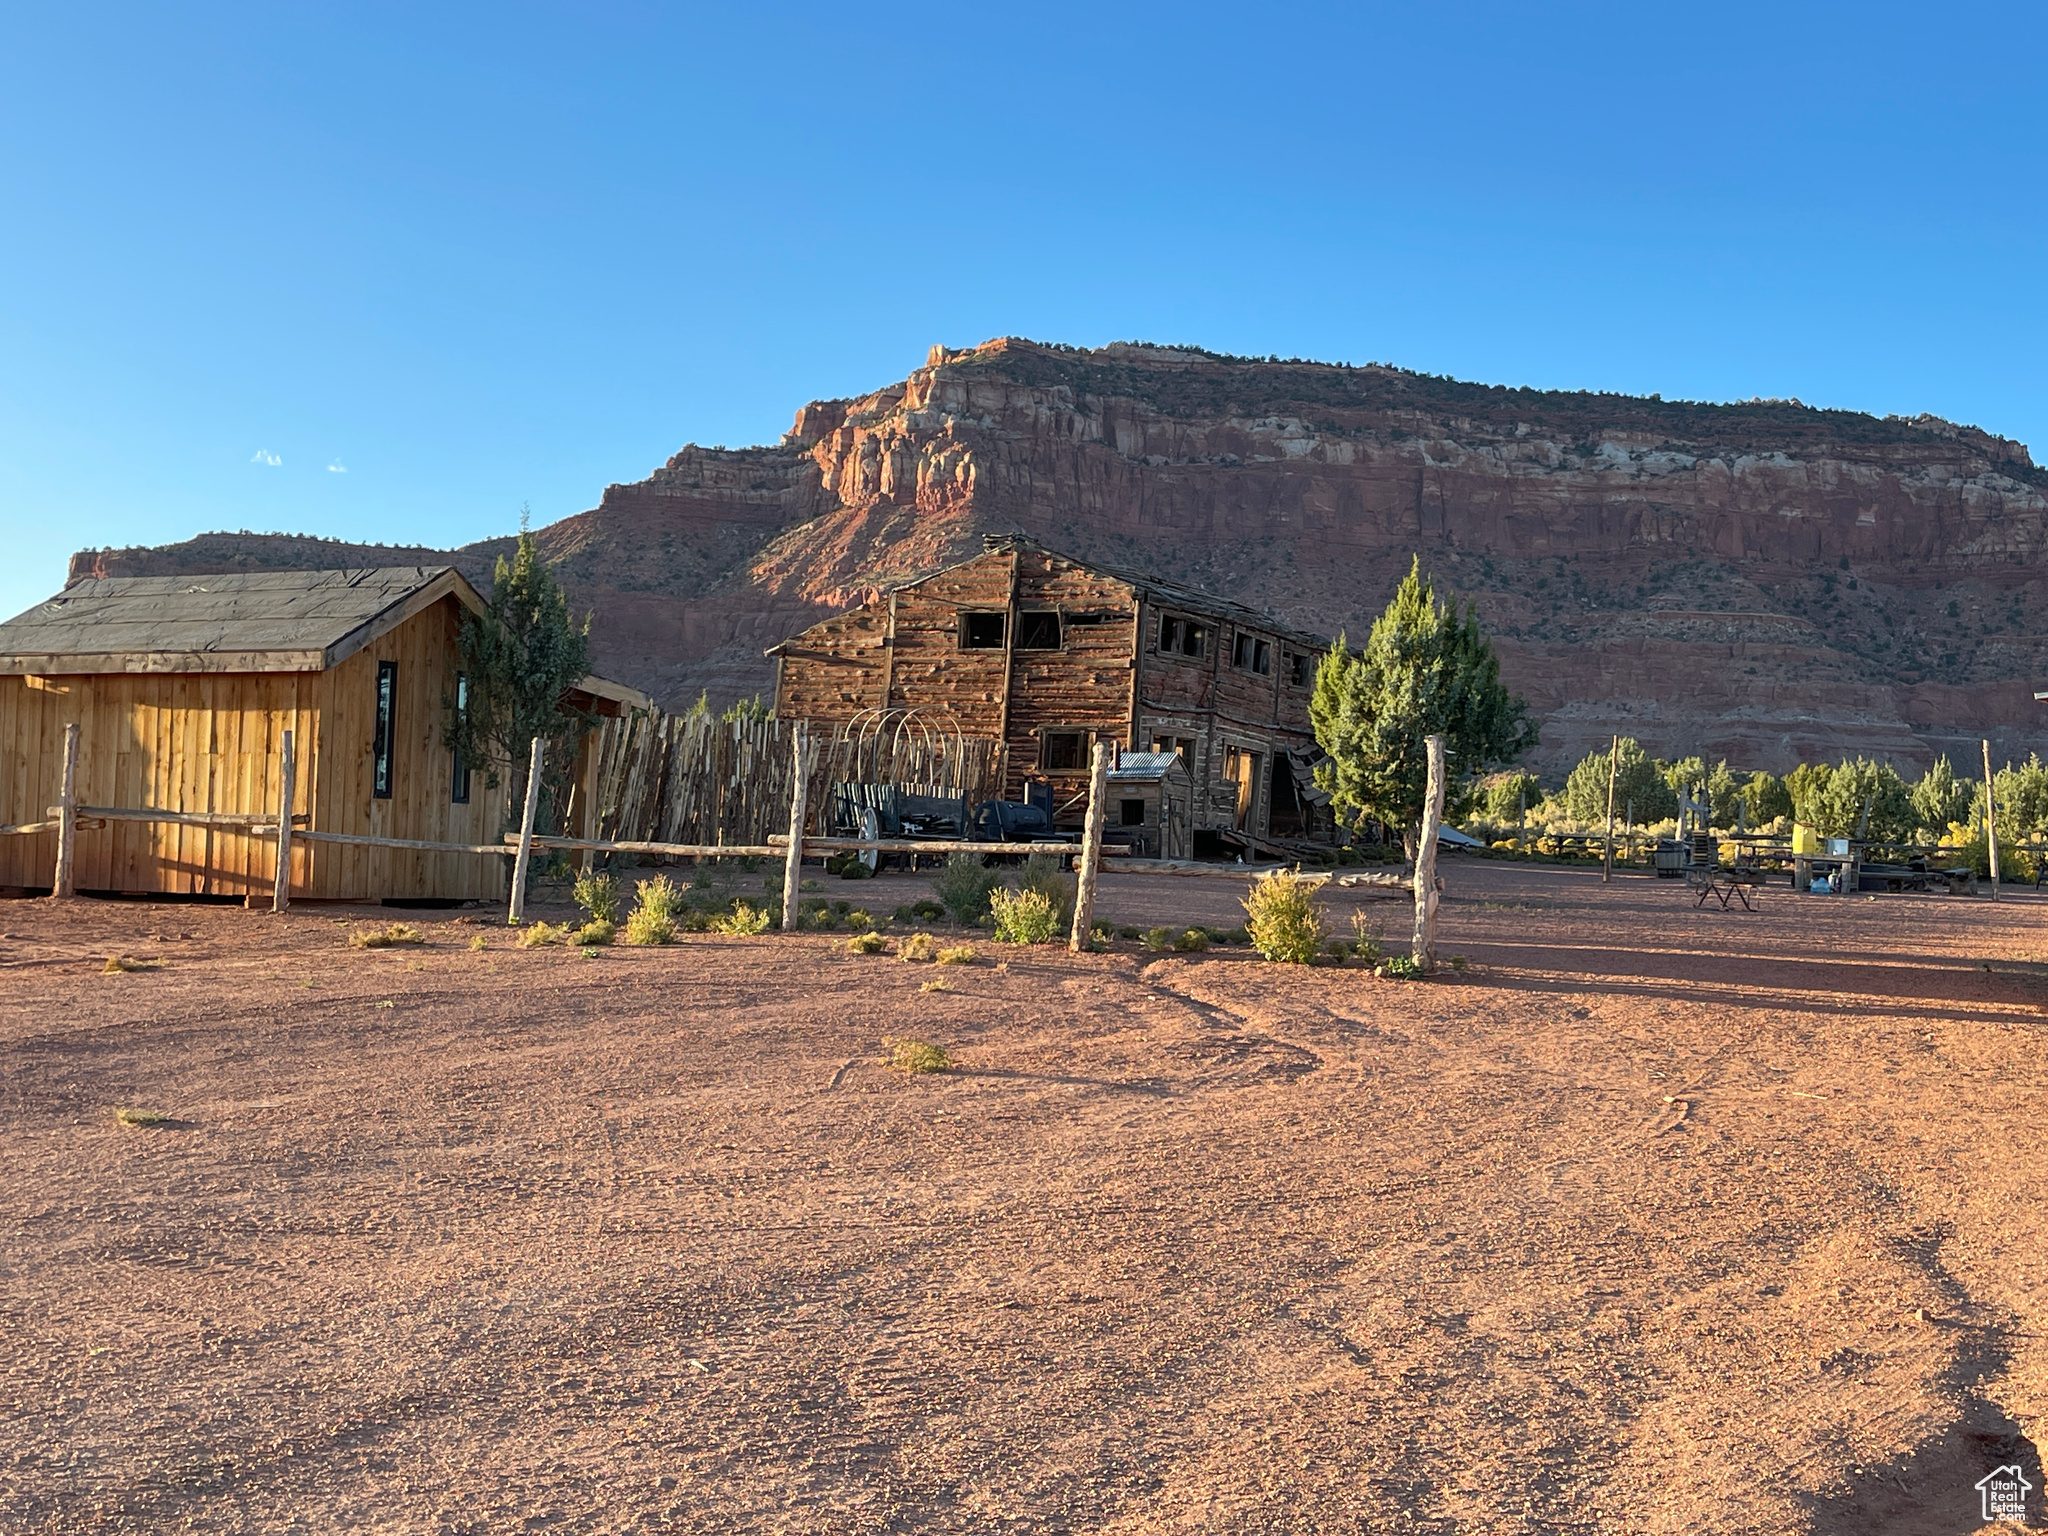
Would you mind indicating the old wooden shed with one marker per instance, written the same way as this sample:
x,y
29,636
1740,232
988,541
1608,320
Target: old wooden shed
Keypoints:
x,y
1048,654
182,688
1150,800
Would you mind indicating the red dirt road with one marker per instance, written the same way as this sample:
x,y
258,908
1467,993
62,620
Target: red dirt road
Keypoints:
x,y
1652,1220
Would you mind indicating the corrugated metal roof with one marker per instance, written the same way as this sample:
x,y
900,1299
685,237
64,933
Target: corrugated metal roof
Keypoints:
x,y
248,621
1145,765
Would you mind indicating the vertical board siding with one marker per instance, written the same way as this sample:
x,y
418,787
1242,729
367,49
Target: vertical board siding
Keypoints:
x,y
214,742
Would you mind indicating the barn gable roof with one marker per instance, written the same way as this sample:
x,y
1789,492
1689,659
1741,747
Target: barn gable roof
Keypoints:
x,y
248,621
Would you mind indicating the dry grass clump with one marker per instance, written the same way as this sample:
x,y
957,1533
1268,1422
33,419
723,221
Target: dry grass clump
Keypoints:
x,y
538,934
936,984
653,920
957,954
1285,919
917,1056
121,965
918,946
599,930
479,942
388,937
141,1118
868,943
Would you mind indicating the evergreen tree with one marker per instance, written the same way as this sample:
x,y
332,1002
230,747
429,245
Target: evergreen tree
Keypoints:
x,y
1640,788
1765,799
519,659
1838,808
1940,798
1425,670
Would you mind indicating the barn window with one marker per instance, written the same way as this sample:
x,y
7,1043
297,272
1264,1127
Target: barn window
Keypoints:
x,y
380,747
1251,654
1184,745
1038,631
459,793
1062,750
1133,812
1180,637
981,631
1301,670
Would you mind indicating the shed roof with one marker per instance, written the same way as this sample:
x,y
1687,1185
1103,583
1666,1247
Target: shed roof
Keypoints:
x,y
1132,766
249,621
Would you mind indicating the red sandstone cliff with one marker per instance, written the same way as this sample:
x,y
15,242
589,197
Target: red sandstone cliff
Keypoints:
x,y
1761,580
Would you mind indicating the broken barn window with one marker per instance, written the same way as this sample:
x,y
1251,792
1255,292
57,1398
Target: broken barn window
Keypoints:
x,y
380,745
1059,750
1038,631
981,631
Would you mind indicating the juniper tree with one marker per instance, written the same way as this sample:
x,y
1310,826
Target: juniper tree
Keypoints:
x,y
1425,669
520,657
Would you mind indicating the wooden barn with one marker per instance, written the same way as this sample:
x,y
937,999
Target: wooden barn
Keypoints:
x,y
182,688
1048,655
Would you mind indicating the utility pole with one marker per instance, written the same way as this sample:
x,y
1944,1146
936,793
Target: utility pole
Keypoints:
x,y
1613,769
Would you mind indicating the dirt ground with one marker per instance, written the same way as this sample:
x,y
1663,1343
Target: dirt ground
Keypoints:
x,y
1650,1220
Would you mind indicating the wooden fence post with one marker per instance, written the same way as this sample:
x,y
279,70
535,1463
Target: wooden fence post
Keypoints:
x,y
1991,817
517,913
1613,768
67,817
281,885
1091,851
1424,948
793,868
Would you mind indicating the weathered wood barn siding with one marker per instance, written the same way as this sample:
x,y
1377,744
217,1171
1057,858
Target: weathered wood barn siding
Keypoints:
x,y
1107,679
212,741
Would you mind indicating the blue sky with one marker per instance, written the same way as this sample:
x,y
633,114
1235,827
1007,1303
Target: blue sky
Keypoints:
x,y
390,273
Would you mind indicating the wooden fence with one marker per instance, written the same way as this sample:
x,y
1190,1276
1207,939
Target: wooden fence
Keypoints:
x,y
698,780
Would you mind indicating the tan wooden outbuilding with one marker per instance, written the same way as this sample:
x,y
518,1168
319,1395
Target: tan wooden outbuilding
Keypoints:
x,y
182,688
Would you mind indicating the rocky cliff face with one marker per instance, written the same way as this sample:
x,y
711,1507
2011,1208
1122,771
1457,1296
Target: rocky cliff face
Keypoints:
x,y
1760,581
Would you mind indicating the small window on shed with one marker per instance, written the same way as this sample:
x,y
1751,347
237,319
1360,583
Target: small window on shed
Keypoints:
x,y
380,744
459,790
1038,631
1132,812
982,631
1062,750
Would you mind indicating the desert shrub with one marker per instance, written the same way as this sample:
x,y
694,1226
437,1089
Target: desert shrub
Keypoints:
x,y
744,920
924,908
1337,949
1158,940
860,920
599,896
1024,917
849,865
479,942
868,943
936,984
816,915
1191,941
141,1118
597,931
654,915
917,1056
1401,968
1042,873
1128,931
1235,936
964,886
918,946
120,965
1368,933
387,937
957,954
1286,920
535,935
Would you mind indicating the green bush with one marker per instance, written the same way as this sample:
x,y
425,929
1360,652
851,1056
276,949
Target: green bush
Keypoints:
x,y
744,920
1024,917
1042,873
597,931
964,886
1401,968
1192,941
1158,940
654,915
866,943
1286,920
599,896
918,947
917,1056
849,865
1367,933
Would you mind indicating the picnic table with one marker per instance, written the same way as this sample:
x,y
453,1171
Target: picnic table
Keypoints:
x,y
1726,883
